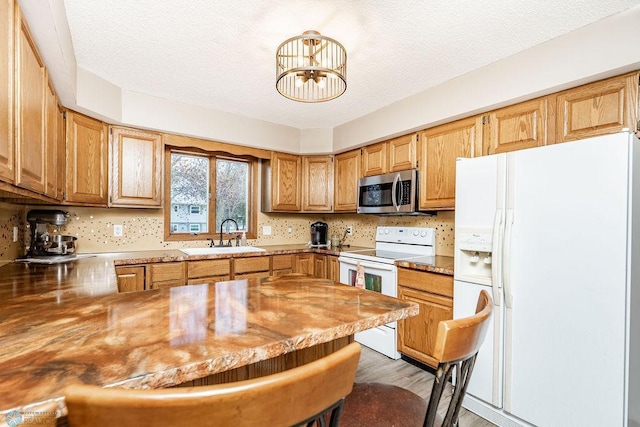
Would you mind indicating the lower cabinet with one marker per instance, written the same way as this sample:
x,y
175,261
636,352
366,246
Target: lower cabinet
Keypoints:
x,y
130,279
304,263
166,274
333,268
252,267
281,264
208,271
434,295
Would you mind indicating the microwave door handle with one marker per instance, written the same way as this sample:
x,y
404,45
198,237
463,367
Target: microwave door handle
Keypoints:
x,y
394,192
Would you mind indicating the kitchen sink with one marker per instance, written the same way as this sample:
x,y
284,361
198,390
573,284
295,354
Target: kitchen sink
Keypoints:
x,y
221,250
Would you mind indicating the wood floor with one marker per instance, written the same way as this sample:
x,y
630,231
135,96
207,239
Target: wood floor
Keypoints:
x,y
374,366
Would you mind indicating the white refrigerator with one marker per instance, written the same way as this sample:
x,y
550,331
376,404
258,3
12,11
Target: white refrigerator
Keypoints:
x,y
553,233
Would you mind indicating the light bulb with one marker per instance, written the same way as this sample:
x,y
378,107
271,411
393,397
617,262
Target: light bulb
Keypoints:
x,y
321,83
299,82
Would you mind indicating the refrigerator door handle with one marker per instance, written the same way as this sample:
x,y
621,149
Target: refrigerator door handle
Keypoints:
x,y
496,253
506,258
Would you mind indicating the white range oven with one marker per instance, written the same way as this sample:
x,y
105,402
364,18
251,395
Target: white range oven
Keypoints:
x,y
379,274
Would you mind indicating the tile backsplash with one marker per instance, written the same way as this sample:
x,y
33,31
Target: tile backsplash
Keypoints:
x,y
143,229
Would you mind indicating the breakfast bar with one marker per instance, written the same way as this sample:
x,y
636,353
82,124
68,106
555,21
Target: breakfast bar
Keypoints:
x,y
55,332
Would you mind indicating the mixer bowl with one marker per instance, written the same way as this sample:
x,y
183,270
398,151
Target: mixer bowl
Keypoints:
x,y
62,244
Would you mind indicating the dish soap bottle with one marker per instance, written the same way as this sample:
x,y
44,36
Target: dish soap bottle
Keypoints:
x,y
243,239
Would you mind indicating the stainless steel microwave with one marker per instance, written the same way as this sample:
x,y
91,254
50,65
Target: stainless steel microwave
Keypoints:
x,y
392,193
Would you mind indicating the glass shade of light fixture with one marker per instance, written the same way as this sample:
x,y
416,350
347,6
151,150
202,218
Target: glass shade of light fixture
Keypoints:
x,y
311,68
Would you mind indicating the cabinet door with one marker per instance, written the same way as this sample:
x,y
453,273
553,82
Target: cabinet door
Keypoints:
x,y
136,168
6,91
208,268
317,193
51,132
347,173
167,273
517,127
130,279
251,265
320,266
281,264
286,175
402,153
374,159
416,335
333,268
208,280
60,154
305,264
30,114
86,160
599,108
440,147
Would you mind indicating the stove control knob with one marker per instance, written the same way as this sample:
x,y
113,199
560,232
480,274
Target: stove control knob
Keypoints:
x,y
423,233
380,231
416,232
386,231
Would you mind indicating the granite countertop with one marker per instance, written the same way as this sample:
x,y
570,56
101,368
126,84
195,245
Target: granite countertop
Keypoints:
x,y
66,323
433,264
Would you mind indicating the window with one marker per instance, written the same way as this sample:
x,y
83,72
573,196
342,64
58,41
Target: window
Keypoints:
x,y
205,189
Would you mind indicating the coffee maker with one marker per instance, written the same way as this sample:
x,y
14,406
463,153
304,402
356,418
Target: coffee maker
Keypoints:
x,y
319,234
43,243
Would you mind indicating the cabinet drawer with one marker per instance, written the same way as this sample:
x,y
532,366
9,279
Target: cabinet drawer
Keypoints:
x,y
167,284
282,262
249,265
256,275
208,280
166,271
429,282
209,267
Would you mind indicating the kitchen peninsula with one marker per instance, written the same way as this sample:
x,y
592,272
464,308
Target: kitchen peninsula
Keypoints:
x,y
66,323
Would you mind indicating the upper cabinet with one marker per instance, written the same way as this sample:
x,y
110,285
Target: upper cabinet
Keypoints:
x,y
282,178
6,91
524,125
402,153
136,168
374,159
347,173
51,143
86,160
30,144
317,183
440,147
599,108
395,155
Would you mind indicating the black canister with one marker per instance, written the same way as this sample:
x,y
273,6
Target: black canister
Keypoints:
x,y
319,233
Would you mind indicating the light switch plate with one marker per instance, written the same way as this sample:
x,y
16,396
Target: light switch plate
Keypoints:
x,y
15,234
266,230
117,230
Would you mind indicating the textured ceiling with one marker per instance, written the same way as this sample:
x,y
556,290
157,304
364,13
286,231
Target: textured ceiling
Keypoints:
x,y
221,54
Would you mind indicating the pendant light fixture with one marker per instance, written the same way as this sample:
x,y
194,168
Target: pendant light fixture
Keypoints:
x,y
311,68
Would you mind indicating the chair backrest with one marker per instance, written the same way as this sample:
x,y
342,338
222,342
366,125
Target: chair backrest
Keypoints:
x,y
287,398
456,347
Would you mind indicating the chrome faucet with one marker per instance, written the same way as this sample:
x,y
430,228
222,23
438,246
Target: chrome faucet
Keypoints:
x,y
221,243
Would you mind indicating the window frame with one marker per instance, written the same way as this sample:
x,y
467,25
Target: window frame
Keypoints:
x,y
252,202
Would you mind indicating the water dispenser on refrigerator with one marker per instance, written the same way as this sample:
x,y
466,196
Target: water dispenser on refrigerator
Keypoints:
x,y
473,255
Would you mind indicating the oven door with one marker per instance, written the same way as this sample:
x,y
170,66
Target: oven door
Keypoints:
x,y
389,193
378,277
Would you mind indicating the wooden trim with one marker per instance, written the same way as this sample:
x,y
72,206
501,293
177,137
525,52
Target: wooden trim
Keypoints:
x,y
209,146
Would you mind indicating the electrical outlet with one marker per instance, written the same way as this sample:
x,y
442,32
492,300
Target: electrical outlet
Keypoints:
x,y
349,230
266,230
15,234
289,229
118,230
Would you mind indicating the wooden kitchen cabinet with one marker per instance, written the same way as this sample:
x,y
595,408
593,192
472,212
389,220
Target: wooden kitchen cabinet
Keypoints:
x,y
374,159
281,264
251,267
317,183
320,266
333,268
166,274
6,91
136,168
599,108
60,154
30,143
285,180
305,264
208,271
402,153
347,173
525,125
130,279
434,295
439,148
51,142
86,160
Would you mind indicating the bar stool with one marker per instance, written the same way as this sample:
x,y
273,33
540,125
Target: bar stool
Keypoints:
x,y
456,347
300,395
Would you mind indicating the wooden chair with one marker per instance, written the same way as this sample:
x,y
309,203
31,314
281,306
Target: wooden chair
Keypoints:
x,y
456,347
294,397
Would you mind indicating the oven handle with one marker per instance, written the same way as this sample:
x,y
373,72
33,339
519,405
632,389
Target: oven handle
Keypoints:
x,y
394,191
365,264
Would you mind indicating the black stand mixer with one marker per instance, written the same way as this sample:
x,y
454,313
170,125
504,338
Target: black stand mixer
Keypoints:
x,y
44,244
